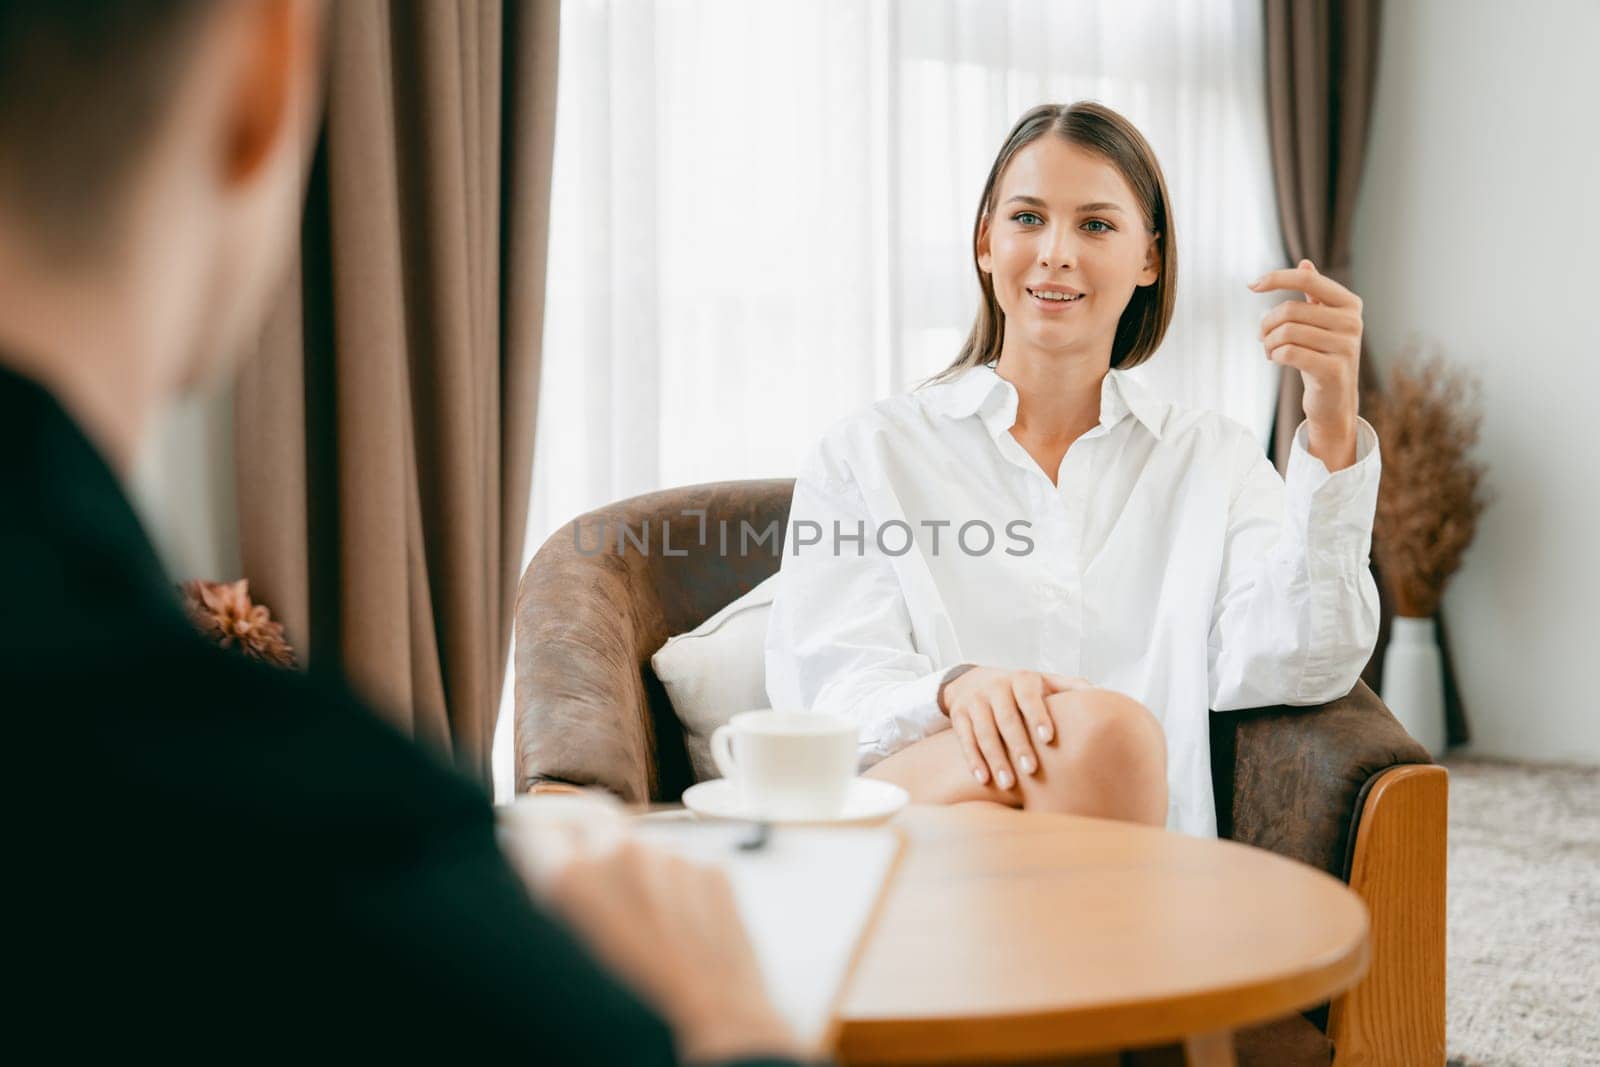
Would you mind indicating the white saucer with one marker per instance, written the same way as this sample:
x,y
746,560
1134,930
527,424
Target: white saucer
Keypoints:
x,y
869,801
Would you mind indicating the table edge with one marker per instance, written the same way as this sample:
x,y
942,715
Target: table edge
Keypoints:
x,y
1100,1027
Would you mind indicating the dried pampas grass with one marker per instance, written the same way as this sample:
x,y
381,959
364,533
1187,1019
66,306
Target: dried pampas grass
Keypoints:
x,y
1432,493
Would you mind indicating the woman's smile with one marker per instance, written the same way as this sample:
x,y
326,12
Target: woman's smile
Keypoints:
x,y
1053,300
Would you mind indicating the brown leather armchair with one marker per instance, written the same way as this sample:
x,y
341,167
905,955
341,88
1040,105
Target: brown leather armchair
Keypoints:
x,y
1341,787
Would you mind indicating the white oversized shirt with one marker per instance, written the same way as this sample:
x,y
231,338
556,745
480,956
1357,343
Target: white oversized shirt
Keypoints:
x,y
1170,562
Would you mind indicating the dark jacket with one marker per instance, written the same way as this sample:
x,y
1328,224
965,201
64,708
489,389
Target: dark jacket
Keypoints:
x,y
224,860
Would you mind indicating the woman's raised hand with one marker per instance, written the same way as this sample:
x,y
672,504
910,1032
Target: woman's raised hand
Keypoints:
x,y
1321,337
1000,715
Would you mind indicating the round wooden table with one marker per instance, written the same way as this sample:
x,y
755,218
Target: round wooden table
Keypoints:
x,y
1006,935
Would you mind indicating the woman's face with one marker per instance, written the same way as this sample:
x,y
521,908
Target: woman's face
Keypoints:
x,y
1064,222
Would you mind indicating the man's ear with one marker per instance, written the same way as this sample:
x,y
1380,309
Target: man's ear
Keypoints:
x,y
1152,261
985,258
276,37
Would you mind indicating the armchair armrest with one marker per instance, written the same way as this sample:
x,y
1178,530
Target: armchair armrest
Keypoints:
x,y
590,711
582,717
1298,777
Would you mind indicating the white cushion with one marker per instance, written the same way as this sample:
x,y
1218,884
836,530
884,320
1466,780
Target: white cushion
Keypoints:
x,y
717,670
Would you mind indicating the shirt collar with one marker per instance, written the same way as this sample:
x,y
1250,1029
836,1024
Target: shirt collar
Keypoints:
x,y
980,391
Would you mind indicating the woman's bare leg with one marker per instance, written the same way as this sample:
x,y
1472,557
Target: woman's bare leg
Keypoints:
x,y
934,771
1107,759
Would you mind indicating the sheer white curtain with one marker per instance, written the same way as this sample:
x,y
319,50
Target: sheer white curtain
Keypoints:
x,y
763,208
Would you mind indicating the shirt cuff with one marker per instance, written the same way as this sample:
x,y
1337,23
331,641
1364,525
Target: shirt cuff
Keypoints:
x,y
1315,473
902,715
1345,498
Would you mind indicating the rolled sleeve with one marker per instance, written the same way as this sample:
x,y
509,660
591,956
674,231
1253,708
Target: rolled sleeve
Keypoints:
x,y
1296,615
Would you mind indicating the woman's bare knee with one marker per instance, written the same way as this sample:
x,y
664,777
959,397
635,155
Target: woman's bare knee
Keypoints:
x,y
1108,759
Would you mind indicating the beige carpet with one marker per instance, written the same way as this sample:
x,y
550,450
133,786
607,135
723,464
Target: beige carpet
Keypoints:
x,y
1523,958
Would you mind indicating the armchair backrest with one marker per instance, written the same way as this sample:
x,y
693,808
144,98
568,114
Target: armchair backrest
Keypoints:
x,y
600,598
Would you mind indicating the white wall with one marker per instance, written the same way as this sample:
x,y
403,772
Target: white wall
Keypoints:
x,y
184,490
1478,231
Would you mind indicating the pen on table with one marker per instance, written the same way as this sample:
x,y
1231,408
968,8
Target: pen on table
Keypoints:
x,y
760,832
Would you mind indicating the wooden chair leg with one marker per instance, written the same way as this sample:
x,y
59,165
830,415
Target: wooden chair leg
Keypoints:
x,y
1395,1015
1210,1050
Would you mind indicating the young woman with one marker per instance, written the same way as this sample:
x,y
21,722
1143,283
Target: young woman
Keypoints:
x,y
965,558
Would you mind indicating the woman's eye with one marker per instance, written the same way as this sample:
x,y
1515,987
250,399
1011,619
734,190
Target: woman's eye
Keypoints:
x,y
1024,217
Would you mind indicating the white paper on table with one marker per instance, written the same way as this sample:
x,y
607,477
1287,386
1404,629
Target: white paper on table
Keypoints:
x,y
806,898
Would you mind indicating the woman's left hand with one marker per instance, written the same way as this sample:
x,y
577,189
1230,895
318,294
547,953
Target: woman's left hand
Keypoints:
x,y
1320,337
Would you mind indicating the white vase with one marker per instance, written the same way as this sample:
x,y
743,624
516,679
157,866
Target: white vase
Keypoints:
x,y
1413,681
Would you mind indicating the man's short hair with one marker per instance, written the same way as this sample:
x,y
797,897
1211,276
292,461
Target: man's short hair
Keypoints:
x,y
84,85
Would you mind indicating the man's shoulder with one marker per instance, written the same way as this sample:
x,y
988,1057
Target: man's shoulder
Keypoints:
x,y
178,726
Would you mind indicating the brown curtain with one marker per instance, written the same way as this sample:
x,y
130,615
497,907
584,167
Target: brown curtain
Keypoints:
x,y
385,433
1322,61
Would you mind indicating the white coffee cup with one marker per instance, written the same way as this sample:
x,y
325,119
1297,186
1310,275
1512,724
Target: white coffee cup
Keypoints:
x,y
787,764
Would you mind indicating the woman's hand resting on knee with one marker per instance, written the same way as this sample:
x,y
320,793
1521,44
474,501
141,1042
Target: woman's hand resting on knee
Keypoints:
x,y
1000,715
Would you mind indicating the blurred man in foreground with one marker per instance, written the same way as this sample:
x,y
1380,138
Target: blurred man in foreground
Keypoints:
x,y
220,859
